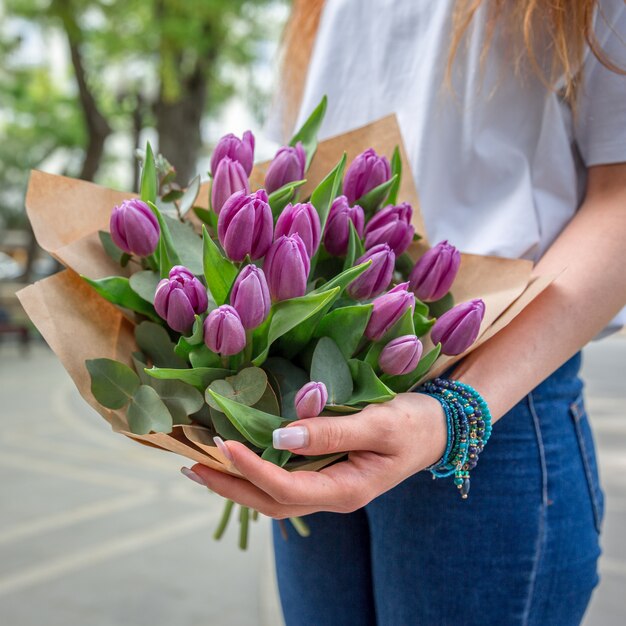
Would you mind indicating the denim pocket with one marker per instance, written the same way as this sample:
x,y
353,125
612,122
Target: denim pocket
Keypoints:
x,y
588,455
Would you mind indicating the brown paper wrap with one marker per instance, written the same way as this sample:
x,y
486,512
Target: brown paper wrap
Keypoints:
x,y
78,324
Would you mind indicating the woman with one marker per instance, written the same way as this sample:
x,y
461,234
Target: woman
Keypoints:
x,y
514,118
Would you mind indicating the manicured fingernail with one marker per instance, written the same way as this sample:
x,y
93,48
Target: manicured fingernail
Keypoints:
x,y
290,438
223,448
185,471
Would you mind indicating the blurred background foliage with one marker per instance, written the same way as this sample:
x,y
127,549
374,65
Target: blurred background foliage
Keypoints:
x,y
84,83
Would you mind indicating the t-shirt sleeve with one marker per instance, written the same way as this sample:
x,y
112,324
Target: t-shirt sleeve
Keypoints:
x,y
600,123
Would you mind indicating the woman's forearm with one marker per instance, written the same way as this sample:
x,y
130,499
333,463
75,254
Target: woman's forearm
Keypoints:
x,y
572,310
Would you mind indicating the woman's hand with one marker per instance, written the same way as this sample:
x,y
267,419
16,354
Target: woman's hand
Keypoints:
x,y
386,443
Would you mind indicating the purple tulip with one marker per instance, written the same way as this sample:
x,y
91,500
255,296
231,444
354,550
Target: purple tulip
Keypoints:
x,y
223,331
287,166
229,178
179,298
387,310
435,271
245,225
391,225
367,171
250,296
287,266
337,231
241,150
311,400
304,220
134,228
458,328
376,278
401,356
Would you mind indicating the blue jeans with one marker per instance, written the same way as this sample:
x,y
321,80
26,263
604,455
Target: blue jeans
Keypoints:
x,y
522,549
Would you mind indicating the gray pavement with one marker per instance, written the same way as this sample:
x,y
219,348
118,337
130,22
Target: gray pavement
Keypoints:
x,y
96,530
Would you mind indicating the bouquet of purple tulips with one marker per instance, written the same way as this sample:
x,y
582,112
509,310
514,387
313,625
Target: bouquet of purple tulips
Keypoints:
x,y
267,306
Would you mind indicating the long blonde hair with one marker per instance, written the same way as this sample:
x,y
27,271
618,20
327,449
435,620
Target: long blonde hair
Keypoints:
x,y
566,24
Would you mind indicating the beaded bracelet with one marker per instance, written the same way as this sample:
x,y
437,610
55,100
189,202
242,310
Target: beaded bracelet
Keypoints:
x,y
468,423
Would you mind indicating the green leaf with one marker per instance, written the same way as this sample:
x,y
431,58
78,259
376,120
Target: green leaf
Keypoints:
x,y
438,308
166,243
280,198
198,377
117,289
284,316
278,457
180,398
224,426
368,388
256,426
187,243
149,180
355,247
288,379
372,200
344,279
307,134
139,362
144,284
207,216
189,197
112,383
268,402
247,387
330,367
201,356
407,381
157,345
345,326
220,273
396,170
148,413
324,194
109,247
404,326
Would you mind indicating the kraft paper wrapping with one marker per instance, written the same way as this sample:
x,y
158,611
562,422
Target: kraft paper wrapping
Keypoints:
x,y
78,324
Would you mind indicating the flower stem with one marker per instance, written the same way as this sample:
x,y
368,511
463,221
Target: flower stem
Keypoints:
x,y
244,522
224,520
301,526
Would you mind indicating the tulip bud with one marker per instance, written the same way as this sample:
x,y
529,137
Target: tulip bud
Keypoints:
x,y
376,278
304,220
311,400
288,165
134,228
241,150
287,266
337,231
401,356
434,272
250,296
387,310
223,331
391,225
229,178
367,171
245,225
458,328
179,298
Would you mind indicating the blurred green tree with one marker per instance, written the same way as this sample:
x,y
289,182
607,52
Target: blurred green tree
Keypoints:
x,y
165,64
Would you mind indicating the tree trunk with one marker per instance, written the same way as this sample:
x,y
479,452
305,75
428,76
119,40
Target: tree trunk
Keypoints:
x,y
178,125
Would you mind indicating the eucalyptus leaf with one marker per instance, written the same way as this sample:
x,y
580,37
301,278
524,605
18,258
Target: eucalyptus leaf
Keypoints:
x,y
288,379
368,388
144,284
330,367
198,377
180,398
268,402
117,289
256,426
407,381
148,413
189,197
140,364
149,180
247,387
372,200
396,170
220,273
187,243
201,356
109,247
307,134
345,326
112,383
157,345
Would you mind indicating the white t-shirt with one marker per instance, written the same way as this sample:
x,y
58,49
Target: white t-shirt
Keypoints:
x,y
499,161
